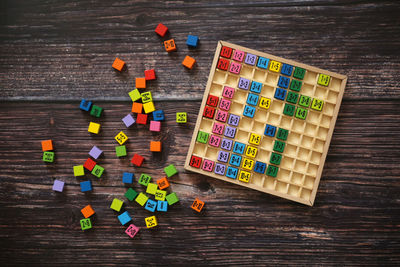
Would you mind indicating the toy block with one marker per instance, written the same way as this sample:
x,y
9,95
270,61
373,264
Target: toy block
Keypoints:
x,y
86,224
231,172
127,177
98,171
212,100
137,107
262,62
132,230
272,171
295,85
270,130
148,107
208,165
134,95
86,186
251,151
323,79
137,160
140,83
223,156
264,103
244,83
155,146
249,111
226,52
226,144
197,205
192,41
235,68
221,116
78,170
172,198
151,221
299,73
58,185
247,164
220,169
128,120
144,179
223,64
209,112
131,194
87,211
255,139
160,195
124,218
188,62
150,75
275,158
292,97
260,167
233,120
256,87
238,148
151,188
95,152
275,66
238,56
250,59
85,105
118,64
47,145
94,128
48,156
141,118
170,45
162,205
283,82
146,97
228,92
301,113
282,134
288,109
287,69
218,128
141,199
181,117
279,146
280,93
121,138
163,183
96,111
161,29
305,101
202,137
116,204
89,164
158,115
151,205
230,132
252,99
317,104
170,170
244,176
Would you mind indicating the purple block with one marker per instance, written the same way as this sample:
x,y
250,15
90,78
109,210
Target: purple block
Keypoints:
x,y
223,156
226,144
95,152
220,169
58,185
230,131
128,120
250,59
244,83
233,120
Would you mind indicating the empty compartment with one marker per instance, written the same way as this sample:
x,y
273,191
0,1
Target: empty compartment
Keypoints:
x,y
332,96
335,84
315,157
199,149
306,141
263,155
310,129
272,79
290,150
307,89
259,76
305,194
261,115
297,178
328,108
240,96
325,121
310,77
206,125
283,175
309,182
312,169
320,93
245,124
276,106
236,108
294,190
246,72
216,89
322,133
242,136
281,187
267,143
268,91
258,128
303,154
219,76
287,163
257,179
300,166
319,145
298,126
232,81
313,116
293,138
285,123
212,153
269,183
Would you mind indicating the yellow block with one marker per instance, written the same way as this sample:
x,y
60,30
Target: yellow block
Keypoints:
x,y
149,107
121,138
141,199
264,102
151,221
244,176
255,139
275,66
134,95
247,164
146,97
317,104
251,151
324,79
94,128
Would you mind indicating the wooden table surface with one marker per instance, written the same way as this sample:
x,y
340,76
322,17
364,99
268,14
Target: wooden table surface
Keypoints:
x,y
53,53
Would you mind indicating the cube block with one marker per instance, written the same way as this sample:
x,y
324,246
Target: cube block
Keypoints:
x,y
197,205
137,160
150,75
128,120
140,83
124,218
188,62
96,111
160,195
132,230
170,170
172,198
151,205
85,224
155,146
146,97
161,29
89,164
87,211
144,179
131,194
48,156
151,188
116,204
86,186
181,117
120,151
162,205
158,115
137,107
149,107
85,105
134,95
141,118
58,185
47,145
151,221
155,126
170,45
98,171
94,128
79,171
118,64
95,152
192,40
141,199
127,177
121,138
163,183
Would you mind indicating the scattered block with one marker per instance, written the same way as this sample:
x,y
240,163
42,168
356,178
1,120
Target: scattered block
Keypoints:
x,y
132,230
148,107
98,171
85,105
121,138
163,183
158,115
85,224
170,170
96,111
192,41
134,95
181,117
131,194
86,186
151,205
128,120
140,83
89,164
78,170
124,218
95,152
127,177
151,188
144,179
47,145
160,195
141,118
151,221
155,126
161,29
150,75
197,205
137,107
48,156
94,128
87,211
162,205
170,45
137,160
188,62
146,97
118,64
116,204
120,151
141,199
155,146
172,198
58,185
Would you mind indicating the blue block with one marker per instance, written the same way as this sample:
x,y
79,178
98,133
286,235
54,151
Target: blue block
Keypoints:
x,y
86,186
128,177
231,172
252,99
260,167
162,205
85,105
256,87
249,111
151,205
283,82
238,148
262,62
270,130
287,69
124,218
192,40
280,93
235,160
158,115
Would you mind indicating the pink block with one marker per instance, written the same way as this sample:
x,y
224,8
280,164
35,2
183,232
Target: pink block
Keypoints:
x,y
208,165
225,104
235,67
238,55
214,141
228,92
218,128
155,126
221,116
132,230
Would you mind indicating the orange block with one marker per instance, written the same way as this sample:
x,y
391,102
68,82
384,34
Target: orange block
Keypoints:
x,y
170,45
137,107
118,64
188,62
140,82
163,183
155,146
197,205
87,211
47,145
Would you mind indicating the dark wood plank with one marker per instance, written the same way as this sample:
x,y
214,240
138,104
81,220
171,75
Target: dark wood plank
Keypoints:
x,y
354,221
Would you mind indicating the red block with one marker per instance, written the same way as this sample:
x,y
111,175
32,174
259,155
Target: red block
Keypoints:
x,y
150,75
223,64
195,161
137,160
212,100
89,164
141,118
161,29
226,52
208,112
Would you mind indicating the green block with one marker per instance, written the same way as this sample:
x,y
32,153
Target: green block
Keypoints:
x,y
131,194
317,104
160,195
299,73
170,170
282,134
289,109
295,85
78,170
120,151
305,101
134,95
172,199
301,113
48,156
97,171
86,224
275,158
279,146
144,179
141,199
202,137
272,171
151,188
96,111
292,97
116,204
